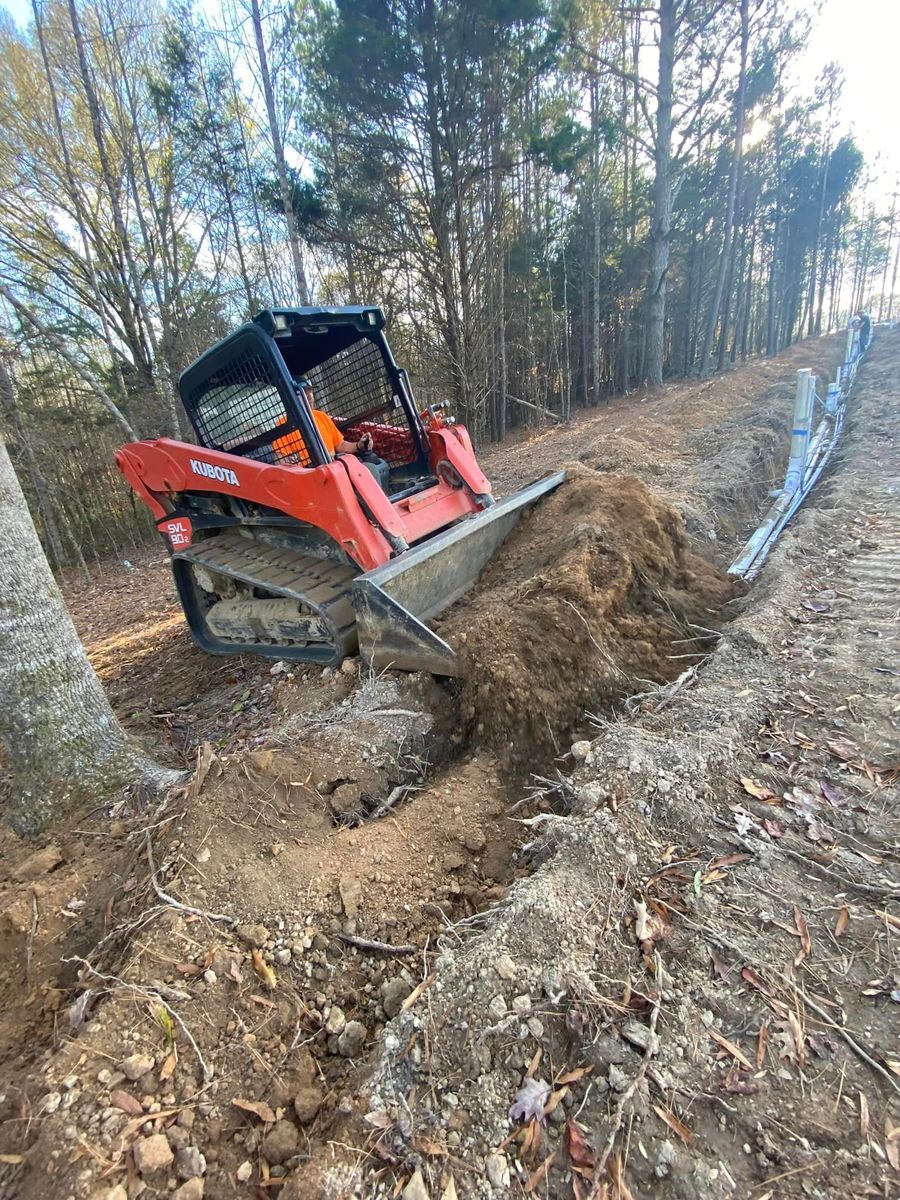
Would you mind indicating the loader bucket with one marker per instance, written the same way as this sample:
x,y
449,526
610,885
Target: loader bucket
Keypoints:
x,y
394,601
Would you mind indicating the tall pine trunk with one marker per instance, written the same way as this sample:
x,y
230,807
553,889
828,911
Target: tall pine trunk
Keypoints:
x,y
662,197
734,173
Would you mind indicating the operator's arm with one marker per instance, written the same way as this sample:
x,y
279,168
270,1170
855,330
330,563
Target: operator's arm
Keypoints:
x,y
363,446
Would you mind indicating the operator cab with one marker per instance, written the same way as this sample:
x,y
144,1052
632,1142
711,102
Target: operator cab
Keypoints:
x,y
242,397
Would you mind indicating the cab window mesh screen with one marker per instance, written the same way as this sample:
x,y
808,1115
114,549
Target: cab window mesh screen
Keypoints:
x,y
354,389
239,402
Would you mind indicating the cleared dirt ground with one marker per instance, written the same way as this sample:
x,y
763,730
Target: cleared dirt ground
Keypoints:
x,y
665,936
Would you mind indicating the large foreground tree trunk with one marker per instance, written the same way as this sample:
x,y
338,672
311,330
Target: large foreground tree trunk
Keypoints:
x,y
61,742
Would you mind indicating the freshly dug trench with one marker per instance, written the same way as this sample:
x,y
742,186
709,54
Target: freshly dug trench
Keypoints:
x,y
578,609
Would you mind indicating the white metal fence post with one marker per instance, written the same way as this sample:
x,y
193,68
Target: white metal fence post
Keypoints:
x,y
803,407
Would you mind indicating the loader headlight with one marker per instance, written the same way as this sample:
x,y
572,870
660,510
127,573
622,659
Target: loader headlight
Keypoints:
x,y
281,322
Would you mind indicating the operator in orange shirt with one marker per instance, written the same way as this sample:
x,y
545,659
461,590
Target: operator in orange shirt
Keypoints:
x,y
333,439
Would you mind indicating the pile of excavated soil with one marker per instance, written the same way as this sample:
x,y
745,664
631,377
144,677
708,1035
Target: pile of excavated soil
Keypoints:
x,y
580,607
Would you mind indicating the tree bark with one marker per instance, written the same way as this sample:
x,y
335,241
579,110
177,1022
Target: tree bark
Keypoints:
x,y
662,197
61,740
284,186
734,173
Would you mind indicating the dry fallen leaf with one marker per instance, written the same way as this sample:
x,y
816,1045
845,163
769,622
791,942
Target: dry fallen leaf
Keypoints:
x,y
530,1100
581,1153
758,790
573,1076
263,970
842,922
167,1070
761,1041
863,1115
892,1142
799,1040
728,860
187,968
756,981
617,1175
733,1050
259,1108
127,1103
12,1159
539,1174
674,1124
843,749
379,1119
720,967
450,1192
832,794
805,940
429,1146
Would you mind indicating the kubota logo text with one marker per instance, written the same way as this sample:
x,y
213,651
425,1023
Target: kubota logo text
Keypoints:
x,y
199,467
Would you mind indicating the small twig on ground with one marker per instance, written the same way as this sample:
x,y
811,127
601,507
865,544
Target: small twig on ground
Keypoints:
x,y
170,900
29,945
399,793
889,889
619,1115
663,694
377,947
604,654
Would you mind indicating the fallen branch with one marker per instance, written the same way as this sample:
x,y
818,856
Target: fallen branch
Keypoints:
x,y
867,889
173,903
377,947
545,412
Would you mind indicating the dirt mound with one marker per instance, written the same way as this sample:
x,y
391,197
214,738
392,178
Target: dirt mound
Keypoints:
x,y
580,607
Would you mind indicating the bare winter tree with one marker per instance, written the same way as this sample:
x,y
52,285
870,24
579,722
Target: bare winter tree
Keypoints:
x,y
61,741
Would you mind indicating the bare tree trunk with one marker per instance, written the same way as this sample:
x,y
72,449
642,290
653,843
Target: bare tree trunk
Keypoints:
x,y
287,202
728,231
887,256
61,740
661,223
772,346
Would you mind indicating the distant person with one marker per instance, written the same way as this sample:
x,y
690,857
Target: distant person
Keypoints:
x,y
865,331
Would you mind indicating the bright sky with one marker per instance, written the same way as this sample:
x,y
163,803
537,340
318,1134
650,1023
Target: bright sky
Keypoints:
x,y
861,35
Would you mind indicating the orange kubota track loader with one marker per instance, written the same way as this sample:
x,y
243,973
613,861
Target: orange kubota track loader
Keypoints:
x,y
281,549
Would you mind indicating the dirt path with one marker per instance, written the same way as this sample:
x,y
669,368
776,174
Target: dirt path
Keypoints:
x,y
623,929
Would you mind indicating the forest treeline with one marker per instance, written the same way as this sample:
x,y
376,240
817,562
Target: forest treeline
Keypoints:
x,y
553,201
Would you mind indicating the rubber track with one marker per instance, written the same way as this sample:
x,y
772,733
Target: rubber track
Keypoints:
x,y
322,586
